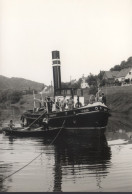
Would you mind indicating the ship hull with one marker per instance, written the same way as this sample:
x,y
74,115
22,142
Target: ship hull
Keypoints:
x,y
85,121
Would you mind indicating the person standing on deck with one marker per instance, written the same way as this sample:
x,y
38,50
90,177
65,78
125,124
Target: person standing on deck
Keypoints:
x,y
63,104
99,95
103,99
49,104
78,103
70,104
92,99
58,105
65,101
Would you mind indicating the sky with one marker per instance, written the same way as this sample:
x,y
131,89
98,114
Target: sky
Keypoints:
x,y
91,35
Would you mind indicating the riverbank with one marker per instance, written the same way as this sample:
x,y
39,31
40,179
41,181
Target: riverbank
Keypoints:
x,y
119,99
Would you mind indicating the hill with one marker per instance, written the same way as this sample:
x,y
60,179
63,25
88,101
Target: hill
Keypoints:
x,y
15,83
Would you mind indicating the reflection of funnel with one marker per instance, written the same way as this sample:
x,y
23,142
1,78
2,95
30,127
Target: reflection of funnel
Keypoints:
x,y
88,154
56,69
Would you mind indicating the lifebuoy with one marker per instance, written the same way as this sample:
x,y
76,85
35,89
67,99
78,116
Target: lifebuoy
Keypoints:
x,y
96,108
78,105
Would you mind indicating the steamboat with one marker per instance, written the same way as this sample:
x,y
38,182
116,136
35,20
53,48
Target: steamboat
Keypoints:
x,y
92,116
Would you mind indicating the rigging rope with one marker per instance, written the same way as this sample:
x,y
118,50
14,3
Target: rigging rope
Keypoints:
x,y
35,157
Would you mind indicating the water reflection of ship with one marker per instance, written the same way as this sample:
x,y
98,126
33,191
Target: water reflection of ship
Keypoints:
x,y
87,154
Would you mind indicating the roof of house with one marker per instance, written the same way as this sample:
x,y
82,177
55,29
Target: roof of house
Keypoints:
x,y
111,74
123,72
114,73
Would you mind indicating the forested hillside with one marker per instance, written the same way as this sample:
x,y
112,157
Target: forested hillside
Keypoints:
x,y
19,84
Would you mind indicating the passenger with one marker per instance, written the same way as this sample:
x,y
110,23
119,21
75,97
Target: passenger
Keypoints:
x,y
63,104
99,95
71,104
53,106
40,103
103,99
58,105
92,99
78,104
49,104
66,107
11,124
45,124
65,101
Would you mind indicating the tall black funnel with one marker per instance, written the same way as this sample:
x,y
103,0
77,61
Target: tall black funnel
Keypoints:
x,y
56,69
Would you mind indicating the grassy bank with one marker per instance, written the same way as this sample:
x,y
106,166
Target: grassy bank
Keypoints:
x,y
119,99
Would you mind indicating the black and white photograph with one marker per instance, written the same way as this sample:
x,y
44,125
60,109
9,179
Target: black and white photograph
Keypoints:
x,y
65,95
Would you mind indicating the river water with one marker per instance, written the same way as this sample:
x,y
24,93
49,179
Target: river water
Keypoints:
x,y
80,162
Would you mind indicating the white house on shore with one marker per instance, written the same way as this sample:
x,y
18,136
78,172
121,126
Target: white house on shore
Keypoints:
x,y
84,84
124,74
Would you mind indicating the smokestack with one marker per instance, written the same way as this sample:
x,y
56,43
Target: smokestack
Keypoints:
x,y
56,69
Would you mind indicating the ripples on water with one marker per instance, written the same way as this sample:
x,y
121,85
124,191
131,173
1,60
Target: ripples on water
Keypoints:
x,y
81,162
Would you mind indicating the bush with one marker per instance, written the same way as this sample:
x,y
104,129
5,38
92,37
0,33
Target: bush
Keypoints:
x,y
10,95
93,90
15,97
22,101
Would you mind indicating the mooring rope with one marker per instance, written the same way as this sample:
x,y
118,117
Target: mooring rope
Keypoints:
x,y
35,157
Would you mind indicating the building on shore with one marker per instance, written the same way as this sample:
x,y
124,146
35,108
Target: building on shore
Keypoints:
x,y
124,74
84,84
123,77
110,77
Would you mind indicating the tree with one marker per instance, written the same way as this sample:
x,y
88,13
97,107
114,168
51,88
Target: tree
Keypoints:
x,y
129,60
100,75
123,64
116,68
103,82
92,80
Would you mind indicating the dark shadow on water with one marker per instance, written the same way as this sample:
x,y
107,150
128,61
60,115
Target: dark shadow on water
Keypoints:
x,y
87,153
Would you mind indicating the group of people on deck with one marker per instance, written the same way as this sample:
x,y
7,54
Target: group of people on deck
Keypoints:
x,y
61,104
100,97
